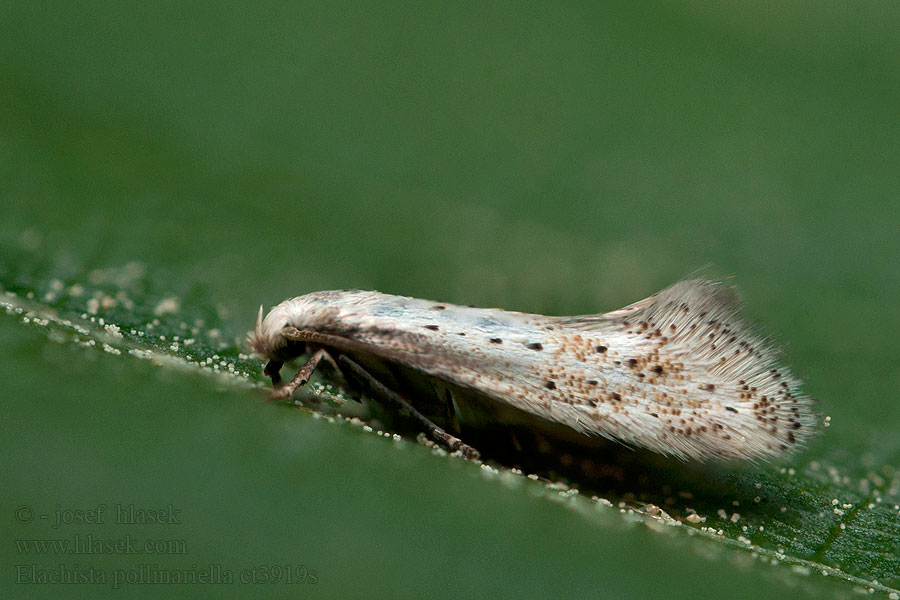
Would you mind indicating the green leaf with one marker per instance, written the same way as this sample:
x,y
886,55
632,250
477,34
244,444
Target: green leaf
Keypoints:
x,y
812,520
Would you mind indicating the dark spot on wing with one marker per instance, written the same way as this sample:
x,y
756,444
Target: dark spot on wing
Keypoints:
x,y
432,327
535,346
496,341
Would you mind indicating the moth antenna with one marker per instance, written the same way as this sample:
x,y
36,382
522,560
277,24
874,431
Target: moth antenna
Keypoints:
x,y
259,317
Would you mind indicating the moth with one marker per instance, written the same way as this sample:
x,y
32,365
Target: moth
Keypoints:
x,y
680,373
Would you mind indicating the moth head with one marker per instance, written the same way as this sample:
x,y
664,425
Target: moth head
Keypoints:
x,y
267,340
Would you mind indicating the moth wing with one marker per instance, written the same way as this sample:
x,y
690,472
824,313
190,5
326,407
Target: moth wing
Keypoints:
x,y
682,373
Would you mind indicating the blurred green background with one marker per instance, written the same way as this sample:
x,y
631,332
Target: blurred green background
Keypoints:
x,y
559,159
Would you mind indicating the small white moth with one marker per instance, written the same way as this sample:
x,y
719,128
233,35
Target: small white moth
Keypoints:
x,y
679,373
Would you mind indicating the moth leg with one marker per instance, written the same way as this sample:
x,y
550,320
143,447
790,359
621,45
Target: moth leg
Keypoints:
x,y
300,378
453,443
273,370
450,408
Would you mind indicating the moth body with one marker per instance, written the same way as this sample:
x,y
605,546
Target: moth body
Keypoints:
x,y
678,373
